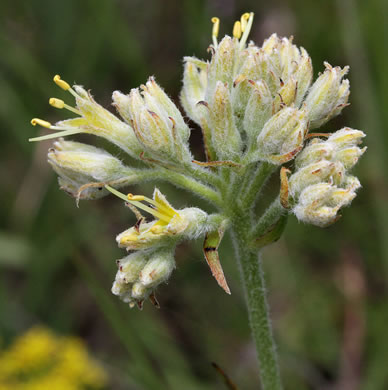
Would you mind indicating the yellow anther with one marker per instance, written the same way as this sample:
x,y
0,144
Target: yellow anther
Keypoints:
x,y
61,83
129,237
156,229
244,20
135,197
40,122
237,30
57,103
216,26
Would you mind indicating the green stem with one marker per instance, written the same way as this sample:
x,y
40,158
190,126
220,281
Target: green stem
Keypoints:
x,y
270,217
255,292
234,188
136,176
191,185
262,174
205,175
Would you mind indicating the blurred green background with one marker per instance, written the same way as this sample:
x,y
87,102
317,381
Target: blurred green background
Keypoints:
x,y
327,288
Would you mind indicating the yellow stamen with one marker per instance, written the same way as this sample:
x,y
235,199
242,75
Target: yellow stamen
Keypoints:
x,y
244,20
216,28
40,122
246,28
62,133
157,229
155,212
57,103
139,205
237,30
135,197
159,206
61,83
130,237
150,210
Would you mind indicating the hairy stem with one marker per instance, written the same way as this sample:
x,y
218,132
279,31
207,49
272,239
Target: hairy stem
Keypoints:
x,y
191,185
259,178
205,175
270,217
234,188
255,292
135,176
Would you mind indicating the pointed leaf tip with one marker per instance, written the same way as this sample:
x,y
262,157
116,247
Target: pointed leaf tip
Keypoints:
x,y
210,249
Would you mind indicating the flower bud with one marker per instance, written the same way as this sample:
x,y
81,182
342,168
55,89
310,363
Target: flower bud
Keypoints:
x,y
157,100
327,96
351,183
258,110
194,87
284,56
140,292
257,64
157,122
349,156
320,172
315,151
78,164
303,75
289,57
318,204
130,266
286,95
268,72
226,138
282,136
346,137
271,49
254,64
158,268
221,66
85,160
141,272
345,142
154,128
253,68
341,147
241,92
249,64
270,44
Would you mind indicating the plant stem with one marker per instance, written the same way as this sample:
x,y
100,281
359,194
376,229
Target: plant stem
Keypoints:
x,y
271,216
262,174
205,175
255,292
191,185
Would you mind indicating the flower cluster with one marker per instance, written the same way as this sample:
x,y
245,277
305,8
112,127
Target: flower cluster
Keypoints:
x,y
153,244
321,184
256,107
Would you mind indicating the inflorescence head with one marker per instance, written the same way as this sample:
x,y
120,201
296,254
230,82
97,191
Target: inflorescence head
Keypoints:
x,y
254,105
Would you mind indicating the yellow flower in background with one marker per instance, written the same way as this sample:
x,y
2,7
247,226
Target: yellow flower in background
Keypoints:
x,y
40,360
